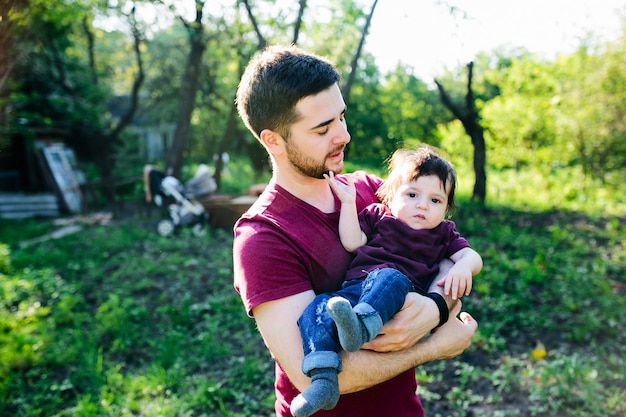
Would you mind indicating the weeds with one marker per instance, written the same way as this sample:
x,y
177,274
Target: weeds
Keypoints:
x,y
117,321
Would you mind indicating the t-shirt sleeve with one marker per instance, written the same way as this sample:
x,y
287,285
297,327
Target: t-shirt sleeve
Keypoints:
x,y
266,266
369,216
456,241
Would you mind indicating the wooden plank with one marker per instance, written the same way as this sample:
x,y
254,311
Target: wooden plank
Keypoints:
x,y
66,182
26,206
21,205
12,198
225,210
28,214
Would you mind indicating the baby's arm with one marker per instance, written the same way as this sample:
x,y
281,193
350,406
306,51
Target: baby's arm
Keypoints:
x,y
349,229
458,281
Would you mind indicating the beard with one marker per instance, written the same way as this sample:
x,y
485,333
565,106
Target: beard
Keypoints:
x,y
310,167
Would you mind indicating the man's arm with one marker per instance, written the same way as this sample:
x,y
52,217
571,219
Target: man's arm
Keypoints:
x,y
447,342
419,315
277,322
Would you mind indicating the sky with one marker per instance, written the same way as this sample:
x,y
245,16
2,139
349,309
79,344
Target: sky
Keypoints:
x,y
430,39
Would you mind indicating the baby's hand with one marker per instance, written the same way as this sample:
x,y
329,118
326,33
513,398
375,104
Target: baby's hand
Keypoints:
x,y
345,192
457,283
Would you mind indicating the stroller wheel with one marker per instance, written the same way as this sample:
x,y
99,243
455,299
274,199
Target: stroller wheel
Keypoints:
x,y
165,227
199,229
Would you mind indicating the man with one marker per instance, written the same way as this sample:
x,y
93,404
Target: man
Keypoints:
x,y
287,248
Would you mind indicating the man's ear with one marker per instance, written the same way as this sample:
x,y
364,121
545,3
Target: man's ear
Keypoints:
x,y
272,141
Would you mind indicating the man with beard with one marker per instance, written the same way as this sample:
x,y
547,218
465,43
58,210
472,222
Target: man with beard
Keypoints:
x,y
287,248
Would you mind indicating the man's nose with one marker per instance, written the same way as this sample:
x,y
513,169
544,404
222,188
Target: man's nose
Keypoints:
x,y
342,136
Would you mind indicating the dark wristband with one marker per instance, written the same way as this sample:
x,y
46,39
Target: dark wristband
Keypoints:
x,y
441,305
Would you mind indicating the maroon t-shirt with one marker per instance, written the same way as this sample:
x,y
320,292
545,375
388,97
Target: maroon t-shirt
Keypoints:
x,y
284,246
391,243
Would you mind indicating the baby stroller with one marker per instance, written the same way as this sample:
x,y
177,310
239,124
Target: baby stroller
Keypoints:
x,y
179,199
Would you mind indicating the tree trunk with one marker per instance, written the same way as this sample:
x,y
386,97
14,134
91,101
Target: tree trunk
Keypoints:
x,y
480,184
262,43
108,141
470,119
355,60
229,132
188,92
298,24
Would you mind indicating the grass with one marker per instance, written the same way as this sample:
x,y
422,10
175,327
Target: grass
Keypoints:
x,y
550,303
117,321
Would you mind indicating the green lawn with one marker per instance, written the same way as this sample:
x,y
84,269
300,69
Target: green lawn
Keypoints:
x,y
117,321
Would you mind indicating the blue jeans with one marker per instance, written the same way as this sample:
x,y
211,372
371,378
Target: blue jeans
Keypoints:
x,y
384,290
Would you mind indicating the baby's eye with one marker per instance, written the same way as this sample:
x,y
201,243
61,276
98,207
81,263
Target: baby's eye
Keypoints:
x,y
412,195
436,200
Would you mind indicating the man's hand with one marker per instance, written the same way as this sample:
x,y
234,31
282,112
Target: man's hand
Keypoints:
x,y
418,316
451,339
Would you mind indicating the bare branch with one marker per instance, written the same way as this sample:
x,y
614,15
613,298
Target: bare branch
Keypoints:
x,y
262,42
447,101
90,50
139,77
469,97
298,24
355,60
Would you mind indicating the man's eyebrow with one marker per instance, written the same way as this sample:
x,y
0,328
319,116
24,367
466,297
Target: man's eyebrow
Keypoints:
x,y
327,122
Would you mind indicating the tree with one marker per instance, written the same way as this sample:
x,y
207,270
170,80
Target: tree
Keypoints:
x,y
109,138
63,84
254,150
470,118
9,36
357,54
597,129
197,41
412,110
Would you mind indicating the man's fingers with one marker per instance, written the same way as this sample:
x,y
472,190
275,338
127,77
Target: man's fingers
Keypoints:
x,y
467,318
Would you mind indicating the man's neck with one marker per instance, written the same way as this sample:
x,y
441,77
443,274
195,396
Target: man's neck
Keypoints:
x,y
313,191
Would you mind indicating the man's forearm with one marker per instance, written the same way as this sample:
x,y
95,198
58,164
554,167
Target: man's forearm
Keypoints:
x,y
366,368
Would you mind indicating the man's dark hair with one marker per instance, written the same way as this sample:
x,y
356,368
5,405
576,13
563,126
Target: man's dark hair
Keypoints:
x,y
275,81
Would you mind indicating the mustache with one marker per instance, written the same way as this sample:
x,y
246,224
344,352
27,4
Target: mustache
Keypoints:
x,y
338,149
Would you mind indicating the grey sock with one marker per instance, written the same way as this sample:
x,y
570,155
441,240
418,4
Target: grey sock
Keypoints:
x,y
352,333
323,393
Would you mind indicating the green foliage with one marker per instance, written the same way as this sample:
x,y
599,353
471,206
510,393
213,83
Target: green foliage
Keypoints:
x,y
412,111
118,321
539,115
553,277
239,175
135,324
53,88
115,320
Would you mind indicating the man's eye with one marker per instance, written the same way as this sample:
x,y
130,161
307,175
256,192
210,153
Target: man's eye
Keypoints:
x,y
323,132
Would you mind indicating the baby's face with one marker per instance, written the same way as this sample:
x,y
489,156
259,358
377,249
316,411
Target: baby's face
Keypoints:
x,y
422,204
